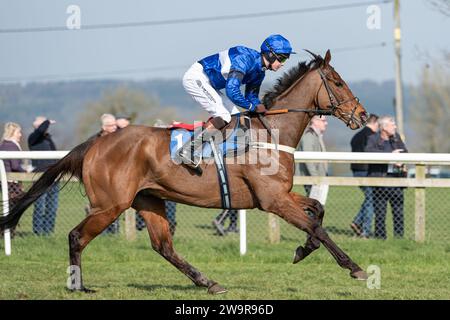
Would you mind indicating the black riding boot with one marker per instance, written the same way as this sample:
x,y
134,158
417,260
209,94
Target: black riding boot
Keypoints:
x,y
187,155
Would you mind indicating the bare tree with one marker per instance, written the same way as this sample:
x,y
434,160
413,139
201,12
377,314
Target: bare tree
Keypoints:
x,y
430,110
140,107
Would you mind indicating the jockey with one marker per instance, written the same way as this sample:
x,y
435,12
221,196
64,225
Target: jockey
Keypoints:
x,y
227,71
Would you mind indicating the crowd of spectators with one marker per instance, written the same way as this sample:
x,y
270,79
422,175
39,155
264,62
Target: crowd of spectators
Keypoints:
x,y
379,135
46,206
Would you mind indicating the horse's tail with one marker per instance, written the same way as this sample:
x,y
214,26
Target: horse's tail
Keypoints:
x,y
71,164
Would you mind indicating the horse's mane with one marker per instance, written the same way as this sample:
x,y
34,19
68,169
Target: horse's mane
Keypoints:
x,y
289,78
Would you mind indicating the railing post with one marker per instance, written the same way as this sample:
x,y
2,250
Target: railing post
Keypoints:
x,y
242,232
419,221
130,225
274,228
5,200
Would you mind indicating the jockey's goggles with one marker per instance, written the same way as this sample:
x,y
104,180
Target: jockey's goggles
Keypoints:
x,y
282,57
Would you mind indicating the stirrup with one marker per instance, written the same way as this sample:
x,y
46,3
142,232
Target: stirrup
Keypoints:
x,y
190,161
186,158
194,166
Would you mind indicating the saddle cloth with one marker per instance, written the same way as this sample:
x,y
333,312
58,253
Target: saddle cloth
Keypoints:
x,y
236,143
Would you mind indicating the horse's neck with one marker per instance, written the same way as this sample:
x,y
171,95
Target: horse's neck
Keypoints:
x,y
291,125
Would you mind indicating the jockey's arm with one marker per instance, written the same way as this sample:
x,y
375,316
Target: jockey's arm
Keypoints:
x,y
233,90
252,92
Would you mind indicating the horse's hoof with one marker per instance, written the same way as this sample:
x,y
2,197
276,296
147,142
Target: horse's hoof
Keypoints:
x,y
298,255
359,275
216,289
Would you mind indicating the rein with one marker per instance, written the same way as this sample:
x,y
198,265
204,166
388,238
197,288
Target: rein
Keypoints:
x,y
315,111
334,105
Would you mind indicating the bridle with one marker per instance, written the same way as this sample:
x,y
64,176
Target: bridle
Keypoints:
x,y
332,108
334,102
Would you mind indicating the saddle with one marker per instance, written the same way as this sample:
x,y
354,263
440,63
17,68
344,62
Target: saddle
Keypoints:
x,y
235,137
235,140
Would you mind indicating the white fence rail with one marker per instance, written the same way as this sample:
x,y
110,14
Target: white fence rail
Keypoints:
x,y
338,157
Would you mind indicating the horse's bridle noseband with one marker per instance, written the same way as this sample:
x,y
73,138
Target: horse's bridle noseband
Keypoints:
x,y
333,100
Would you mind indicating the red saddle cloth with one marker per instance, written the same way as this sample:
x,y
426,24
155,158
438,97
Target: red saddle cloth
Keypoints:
x,y
186,126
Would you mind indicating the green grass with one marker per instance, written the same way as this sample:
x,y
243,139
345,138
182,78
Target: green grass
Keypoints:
x,y
118,269
132,270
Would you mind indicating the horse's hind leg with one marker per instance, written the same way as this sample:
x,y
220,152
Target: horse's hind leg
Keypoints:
x,y
315,211
97,221
153,211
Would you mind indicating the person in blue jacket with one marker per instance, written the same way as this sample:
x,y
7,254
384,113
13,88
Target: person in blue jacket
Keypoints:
x,y
215,83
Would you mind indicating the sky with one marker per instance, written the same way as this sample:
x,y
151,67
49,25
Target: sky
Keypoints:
x,y
166,51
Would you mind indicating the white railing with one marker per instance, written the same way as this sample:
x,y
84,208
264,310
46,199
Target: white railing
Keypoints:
x,y
34,155
4,181
5,201
373,157
419,181
345,157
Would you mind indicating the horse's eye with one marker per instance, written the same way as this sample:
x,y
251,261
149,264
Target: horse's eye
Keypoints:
x,y
339,84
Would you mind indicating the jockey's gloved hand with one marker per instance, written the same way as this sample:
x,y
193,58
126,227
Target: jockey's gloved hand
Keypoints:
x,y
260,108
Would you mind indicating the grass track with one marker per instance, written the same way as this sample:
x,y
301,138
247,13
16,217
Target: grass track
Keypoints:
x,y
122,270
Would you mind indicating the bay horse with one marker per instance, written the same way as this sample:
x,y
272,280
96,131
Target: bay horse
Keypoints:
x,y
133,168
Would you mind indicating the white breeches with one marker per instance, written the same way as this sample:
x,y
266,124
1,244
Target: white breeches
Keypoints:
x,y
197,84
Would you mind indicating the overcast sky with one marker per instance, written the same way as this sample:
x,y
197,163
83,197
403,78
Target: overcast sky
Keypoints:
x,y
100,53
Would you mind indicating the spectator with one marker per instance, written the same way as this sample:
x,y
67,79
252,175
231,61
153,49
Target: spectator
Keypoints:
x,y
312,140
109,124
46,206
362,222
11,142
122,121
170,206
387,140
219,222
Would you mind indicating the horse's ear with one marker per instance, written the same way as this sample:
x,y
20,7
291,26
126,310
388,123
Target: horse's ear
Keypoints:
x,y
327,57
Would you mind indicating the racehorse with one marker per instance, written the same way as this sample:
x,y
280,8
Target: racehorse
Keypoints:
x,y
133,168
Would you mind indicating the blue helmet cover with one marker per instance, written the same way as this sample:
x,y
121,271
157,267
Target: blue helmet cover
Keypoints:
x,y
278,43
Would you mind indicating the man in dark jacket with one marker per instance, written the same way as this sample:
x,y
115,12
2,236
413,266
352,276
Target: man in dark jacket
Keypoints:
x,y
362,222
46,206
387,140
